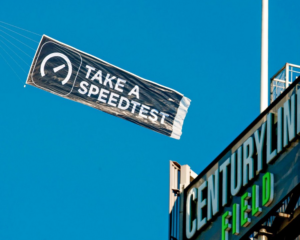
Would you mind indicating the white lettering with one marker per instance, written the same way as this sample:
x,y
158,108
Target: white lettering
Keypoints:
x,y
120,83
93,90
134,106
260,142
190,225
248,161
103,93
270,155
112,99
289,121
89,71
109,80
213,195
135,91
142,110
153,113
121,103
98,76
201,204
236,172
83,86
223,169
162,121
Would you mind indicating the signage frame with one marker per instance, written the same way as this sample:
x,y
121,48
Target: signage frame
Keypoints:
x,y
239,140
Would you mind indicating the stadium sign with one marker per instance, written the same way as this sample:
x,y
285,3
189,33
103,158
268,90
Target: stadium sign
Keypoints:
x,y
252,176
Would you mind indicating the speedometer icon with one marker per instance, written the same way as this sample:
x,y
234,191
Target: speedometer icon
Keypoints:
x,y
56,69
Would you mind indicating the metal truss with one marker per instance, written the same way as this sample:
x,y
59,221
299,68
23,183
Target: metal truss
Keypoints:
x,y
282,79
283,223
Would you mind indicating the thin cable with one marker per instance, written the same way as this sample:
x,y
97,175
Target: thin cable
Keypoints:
x,y
19,34
21,28
17,40
17,47
13,59
15,53
11,68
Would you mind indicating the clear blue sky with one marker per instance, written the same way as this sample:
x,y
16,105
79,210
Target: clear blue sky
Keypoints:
x,y
68,171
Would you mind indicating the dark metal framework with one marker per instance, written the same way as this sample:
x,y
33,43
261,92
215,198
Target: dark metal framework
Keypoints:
x,y
283,223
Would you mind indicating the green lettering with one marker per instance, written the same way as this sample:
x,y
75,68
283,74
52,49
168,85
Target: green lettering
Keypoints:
x,y
226,227
256,210
268,189
236,219
245,209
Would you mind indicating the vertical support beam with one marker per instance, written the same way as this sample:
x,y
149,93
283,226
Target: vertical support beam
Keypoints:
x,y
185,174
287,75
272,91
171,186
181,213
264,79
173,205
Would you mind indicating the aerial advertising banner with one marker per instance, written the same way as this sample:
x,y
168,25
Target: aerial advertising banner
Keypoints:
x,y
78,76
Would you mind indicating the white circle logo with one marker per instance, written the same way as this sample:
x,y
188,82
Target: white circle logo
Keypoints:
x,y
56,69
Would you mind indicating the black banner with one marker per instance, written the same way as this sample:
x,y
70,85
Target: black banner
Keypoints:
x,y
72,74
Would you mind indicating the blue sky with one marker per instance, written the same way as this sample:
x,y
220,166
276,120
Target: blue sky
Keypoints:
x,y
68,171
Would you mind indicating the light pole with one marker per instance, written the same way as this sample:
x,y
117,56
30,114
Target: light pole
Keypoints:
x,y
264,79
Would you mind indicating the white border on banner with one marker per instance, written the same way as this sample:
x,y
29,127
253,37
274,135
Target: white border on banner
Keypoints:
x,y
179,118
